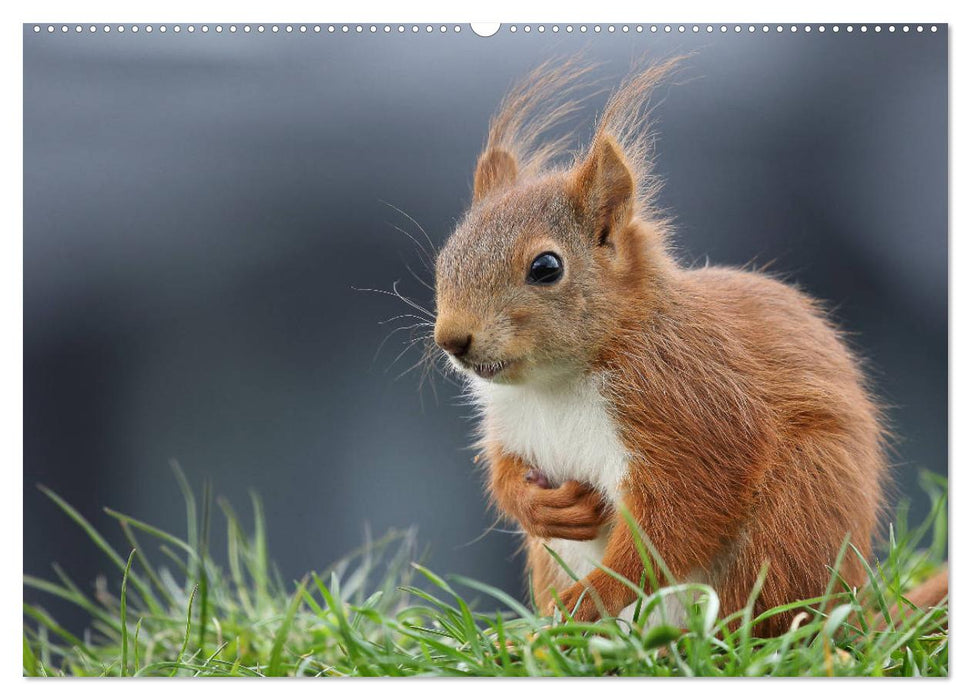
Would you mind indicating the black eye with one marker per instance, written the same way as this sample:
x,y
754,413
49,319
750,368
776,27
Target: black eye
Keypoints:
x,y
547,268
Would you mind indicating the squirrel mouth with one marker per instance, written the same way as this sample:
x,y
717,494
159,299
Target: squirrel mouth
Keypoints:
x,y
488,370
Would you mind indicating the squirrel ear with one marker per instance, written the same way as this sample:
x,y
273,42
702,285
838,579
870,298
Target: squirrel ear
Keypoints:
x,y
603,189
496,168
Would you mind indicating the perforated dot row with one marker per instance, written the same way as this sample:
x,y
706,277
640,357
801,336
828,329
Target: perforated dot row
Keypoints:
x,y
719,28
443,29
249,28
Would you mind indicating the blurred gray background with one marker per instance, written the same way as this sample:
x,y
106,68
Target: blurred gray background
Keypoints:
x,y
198,209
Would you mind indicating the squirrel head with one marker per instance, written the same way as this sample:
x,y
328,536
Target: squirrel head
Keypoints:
x,y
543,268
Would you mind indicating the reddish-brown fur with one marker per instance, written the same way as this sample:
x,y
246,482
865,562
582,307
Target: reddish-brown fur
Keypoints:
x,y
752,437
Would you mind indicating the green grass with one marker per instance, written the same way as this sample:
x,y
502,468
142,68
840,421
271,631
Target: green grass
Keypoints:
x,y
377,613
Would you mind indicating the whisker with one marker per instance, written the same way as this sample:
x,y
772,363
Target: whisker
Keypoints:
x,y
408,347
395,293
420,281
388,337
399,316
412,303
431,357
445,370
408,216
425,362
411,368
426,257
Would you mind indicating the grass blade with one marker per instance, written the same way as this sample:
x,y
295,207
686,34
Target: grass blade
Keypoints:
x,y
275,668
124,615
188,629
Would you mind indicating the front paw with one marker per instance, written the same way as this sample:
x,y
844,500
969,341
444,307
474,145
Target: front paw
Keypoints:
x,y
581,601
598,595
573,511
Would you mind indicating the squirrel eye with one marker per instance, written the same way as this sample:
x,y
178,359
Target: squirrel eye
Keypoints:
x,y
546,268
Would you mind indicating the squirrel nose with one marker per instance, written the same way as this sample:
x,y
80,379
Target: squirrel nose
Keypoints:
x,y
457,344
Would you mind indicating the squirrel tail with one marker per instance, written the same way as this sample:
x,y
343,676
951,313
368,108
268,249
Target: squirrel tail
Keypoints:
x,y
930,593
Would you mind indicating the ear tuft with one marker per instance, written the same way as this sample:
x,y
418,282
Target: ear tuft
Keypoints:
x,y
496,168
603,189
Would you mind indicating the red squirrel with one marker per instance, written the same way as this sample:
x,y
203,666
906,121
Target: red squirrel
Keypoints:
x,y
720,407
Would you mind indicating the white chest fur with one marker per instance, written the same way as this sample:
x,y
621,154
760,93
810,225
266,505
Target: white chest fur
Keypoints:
x,y
566,432
563,430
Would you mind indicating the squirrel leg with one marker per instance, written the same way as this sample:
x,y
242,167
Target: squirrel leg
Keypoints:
x,y
602,594
605,595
